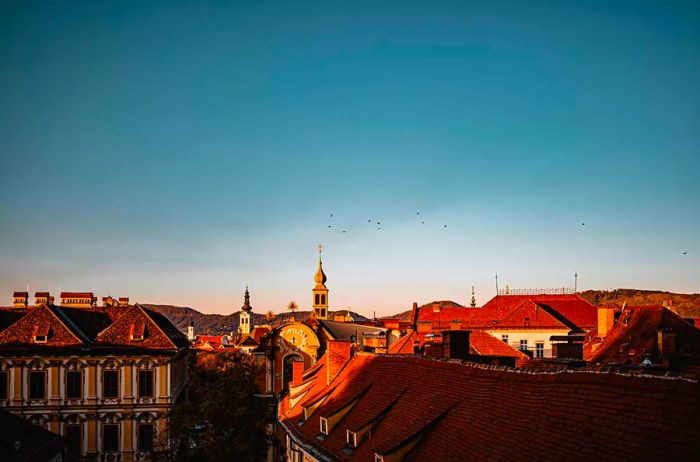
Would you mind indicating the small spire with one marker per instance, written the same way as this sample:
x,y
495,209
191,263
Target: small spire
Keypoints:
x,y
473,304
246,301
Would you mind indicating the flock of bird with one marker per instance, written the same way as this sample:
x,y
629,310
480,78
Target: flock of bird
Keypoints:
x,y
378,224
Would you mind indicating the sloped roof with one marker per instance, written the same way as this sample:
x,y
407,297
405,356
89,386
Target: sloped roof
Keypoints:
x,y
467,412
345,330
35,443
480,343
96,328
634,336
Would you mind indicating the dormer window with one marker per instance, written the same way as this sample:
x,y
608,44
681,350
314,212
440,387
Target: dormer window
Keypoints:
x,y
352,439
324,425
137,332
41,333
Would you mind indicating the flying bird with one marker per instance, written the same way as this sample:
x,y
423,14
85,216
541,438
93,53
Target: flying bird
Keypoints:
x,y
423,222
343,230
685,253
417,213
331,215
329,226
583,224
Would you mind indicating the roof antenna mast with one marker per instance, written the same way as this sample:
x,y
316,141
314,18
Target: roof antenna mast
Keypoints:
x,y
576,282
496,283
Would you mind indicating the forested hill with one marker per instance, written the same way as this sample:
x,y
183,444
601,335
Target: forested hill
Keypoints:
x,y
686,305
219,324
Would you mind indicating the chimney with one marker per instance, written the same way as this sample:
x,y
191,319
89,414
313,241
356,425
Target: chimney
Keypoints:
x,y
606,319
43,298
414,316
666,341
20,299
455,344
670,303
436,307
123,301
455,325
297,372
416,347
337,355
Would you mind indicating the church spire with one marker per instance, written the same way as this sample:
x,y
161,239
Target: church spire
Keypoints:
x,y
320,291
244,317
473,303
246,301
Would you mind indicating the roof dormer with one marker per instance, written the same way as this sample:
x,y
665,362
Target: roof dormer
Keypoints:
x,y
20,299
41,333
137,332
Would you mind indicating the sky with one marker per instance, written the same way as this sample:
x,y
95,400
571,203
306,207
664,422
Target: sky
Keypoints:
x,y
175,152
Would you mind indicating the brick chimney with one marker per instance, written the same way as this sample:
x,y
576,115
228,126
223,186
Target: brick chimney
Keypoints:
x,y
337,355
19,299
606,320
666,342
43,298
297,372
414,315
455,344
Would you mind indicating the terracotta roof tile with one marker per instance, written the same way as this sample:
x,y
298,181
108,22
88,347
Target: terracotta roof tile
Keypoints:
x,y
469,412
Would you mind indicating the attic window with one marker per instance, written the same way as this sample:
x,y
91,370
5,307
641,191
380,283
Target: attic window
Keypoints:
x,y
354,440
137,333
324,425
41,333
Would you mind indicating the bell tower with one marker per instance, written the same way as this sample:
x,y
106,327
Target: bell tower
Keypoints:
x,y
320,301
244,322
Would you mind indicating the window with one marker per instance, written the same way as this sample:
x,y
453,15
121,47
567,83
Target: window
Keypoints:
x,y
523,345
539,350
3,384
145,437
74,441
352,439
110,384
504,337
37,385
318,299
73,382
324,425
323,299
110,437
145,384
40,339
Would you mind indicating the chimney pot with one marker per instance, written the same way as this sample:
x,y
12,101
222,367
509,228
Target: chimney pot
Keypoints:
x,y
455,344
337,355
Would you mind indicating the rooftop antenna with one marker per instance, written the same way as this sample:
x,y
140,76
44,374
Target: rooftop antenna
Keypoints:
x,y
496,283
576,282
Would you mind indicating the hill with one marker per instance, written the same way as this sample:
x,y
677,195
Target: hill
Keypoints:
x,y
686,305
219,324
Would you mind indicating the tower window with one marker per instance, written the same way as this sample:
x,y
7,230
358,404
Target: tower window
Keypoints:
x,y
323,299
317,299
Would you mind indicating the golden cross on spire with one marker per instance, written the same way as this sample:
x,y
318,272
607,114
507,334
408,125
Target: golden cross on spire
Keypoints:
x,y
320,250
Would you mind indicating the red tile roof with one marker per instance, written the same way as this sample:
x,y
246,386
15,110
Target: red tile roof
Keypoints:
x,y
634,336
511,311
95,328
460,411
480,343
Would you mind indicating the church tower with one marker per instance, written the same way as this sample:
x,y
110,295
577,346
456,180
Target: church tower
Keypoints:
x,y
190,330
320,290
246,309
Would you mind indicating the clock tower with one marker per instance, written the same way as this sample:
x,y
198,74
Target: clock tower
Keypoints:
x,y
320,292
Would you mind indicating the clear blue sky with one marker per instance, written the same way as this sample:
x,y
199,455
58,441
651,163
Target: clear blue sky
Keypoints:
x,y
175,152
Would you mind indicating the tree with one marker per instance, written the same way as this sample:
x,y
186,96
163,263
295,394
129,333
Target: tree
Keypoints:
x,y
222,420
270,316
292,306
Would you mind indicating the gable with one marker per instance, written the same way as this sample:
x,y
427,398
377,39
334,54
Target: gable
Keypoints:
x,y
40,321
126,330
530,315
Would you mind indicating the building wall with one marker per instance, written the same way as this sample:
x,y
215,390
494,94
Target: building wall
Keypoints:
x,y
92,410
532,336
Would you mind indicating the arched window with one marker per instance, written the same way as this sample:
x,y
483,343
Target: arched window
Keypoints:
x,y
323,299
318,299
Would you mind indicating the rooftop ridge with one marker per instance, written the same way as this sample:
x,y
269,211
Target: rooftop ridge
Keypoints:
x,y
528,371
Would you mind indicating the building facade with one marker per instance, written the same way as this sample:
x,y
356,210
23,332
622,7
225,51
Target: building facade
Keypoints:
x,y
103,377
